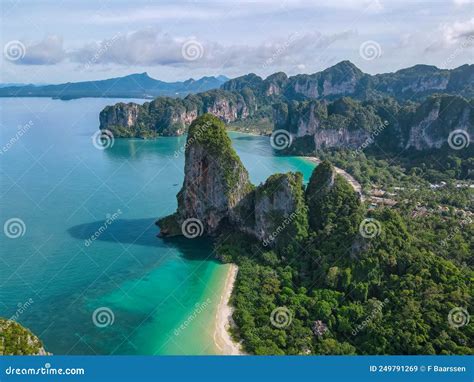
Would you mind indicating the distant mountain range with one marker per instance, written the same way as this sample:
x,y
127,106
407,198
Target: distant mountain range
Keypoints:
x,y
132,86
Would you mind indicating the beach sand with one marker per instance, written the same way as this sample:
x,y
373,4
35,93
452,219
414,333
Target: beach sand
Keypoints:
x,y
223,322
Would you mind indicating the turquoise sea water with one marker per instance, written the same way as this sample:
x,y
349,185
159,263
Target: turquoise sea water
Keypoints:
x,y
162,295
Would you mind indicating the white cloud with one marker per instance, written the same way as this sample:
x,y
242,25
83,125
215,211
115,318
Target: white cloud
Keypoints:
x,y
457,31
453,34
152,47
49,51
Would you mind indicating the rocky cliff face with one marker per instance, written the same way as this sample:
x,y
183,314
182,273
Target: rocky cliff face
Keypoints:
x,y
340,138
225,110
314,108
343,123
438,117
423,80
275,83
170,116
217,193
300,119
279,209
346,123
340,80
345,79
121,114
215,180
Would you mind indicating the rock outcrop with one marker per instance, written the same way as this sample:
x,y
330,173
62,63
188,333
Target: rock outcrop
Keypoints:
x,y
121,115
215,181
217,196
171,116
331,198
346,123
421,81
217,193
342,123
432,123
280,212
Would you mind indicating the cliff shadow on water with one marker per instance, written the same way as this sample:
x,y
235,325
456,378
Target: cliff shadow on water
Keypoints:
x,y
134,148
142,232
251,144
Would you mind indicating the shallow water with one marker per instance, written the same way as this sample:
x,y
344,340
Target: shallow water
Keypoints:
x,y
64,189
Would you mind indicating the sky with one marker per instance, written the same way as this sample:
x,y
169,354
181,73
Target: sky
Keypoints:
x,y
46,41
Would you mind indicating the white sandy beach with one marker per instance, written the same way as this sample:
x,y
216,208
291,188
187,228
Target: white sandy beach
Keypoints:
x,y
223,322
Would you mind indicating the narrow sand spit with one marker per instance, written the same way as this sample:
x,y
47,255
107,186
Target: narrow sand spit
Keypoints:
x,y
224,321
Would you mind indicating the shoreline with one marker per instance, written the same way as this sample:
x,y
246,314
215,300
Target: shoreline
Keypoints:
x,y
252,133
223,320
352,181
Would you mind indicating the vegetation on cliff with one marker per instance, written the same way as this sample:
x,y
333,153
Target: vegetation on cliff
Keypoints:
x,y
215,182
280,210
333,204
342,293
320,273
247,101
210,132
17,340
